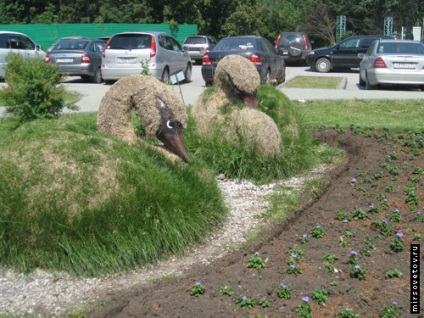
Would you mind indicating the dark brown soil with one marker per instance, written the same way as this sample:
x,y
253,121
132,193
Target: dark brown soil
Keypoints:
x,y
383,166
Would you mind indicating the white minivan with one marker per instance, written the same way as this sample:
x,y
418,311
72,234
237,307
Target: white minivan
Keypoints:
x,y
18,43
128,53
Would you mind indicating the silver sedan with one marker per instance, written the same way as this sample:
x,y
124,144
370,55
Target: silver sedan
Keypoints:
x,y
392,62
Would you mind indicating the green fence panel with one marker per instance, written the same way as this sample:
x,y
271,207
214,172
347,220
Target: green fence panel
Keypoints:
x,y
47,34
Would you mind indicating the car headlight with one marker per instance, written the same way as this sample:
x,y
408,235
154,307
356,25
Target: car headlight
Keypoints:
x,y
311,53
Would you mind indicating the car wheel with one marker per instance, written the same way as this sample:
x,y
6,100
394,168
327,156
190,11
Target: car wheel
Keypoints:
x,y
266,79
165,76
368,86
97,78
187,73
361,81
323,65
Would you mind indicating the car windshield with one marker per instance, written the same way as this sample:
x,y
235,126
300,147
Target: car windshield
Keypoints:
x,y
130,41
71,45
236,44
195,40
400,48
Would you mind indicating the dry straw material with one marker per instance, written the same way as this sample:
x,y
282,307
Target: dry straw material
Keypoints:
x,y
140,93
236,77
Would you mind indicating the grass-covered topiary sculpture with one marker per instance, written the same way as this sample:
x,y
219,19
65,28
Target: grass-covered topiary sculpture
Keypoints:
x,y
78,200
246,130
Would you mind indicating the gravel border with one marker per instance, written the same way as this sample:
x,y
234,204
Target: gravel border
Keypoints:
x,y
44,294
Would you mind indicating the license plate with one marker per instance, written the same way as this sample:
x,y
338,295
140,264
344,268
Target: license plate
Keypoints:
x,y
132,60
64,60
404,65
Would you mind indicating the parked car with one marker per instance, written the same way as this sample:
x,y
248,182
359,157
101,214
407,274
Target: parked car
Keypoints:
x,y
392,62
270,65
17,43
78,56
128,52
293,46
343,55
198,45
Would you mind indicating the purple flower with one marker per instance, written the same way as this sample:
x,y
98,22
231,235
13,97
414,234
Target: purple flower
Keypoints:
x,y
198,283
353,180
244,298
305,299
395,303
292,266
396,210
294,255
372,205
419,212
357,267
353,253
345,221
348,309
305,235
256,253
399,234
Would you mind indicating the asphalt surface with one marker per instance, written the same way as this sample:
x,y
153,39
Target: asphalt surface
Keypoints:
x,y
91,94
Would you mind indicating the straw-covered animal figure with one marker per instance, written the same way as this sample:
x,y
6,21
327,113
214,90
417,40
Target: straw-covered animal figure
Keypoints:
x,y
232,108
162,113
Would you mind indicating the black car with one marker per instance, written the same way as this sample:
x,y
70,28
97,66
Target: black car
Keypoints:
x,y
271,67
293,46
78,56
342,55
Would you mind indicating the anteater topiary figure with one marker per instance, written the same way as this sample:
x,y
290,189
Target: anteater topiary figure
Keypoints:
x,y
236,82
162,113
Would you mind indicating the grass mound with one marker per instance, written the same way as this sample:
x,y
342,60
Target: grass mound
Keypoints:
x,y
77,200
239,160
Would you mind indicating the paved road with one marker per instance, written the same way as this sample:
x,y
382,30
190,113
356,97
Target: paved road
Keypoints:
x,y
91,94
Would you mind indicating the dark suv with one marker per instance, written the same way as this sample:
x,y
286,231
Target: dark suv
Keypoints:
x,y
293,46
342,55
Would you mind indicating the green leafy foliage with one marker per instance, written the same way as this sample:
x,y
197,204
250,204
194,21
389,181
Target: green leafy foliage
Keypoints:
x,y
34,89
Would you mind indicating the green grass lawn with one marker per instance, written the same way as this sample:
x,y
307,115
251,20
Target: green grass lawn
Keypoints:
x,y
390,114
314,82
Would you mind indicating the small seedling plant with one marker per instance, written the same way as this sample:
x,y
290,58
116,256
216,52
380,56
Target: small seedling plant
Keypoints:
x,y
304,309
358,272
389,311
245,302
318,232
347,313
197,289
320,296
226,290
394,273
284,292
397,245
256,261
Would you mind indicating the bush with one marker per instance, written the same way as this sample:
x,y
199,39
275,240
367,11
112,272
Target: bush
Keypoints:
x,y
33,89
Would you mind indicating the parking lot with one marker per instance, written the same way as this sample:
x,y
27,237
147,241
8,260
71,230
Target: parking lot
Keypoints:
x,y
91,94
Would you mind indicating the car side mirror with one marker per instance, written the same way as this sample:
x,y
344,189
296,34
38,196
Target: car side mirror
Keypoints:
x,y
361,55
37,47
